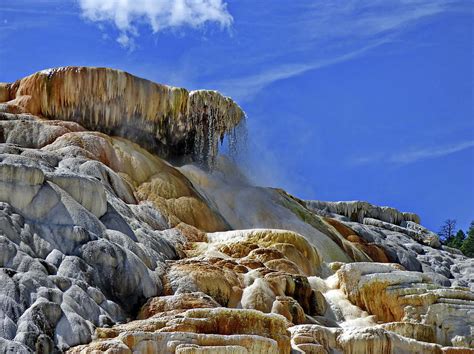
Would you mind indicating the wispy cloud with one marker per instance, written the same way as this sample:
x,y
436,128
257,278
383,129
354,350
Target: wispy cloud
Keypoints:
x,y
414,155
366,18
331,32
19,15
37,11
127,15
245,88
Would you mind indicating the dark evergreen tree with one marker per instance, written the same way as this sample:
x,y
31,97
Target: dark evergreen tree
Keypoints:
x,y
468,245
457,240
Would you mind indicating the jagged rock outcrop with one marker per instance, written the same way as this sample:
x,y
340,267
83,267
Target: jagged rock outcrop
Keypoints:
x,y
358,210
414,230
106,247
446,267
169,120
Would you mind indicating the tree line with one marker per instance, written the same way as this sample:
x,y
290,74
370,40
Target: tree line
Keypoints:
x,y
451,237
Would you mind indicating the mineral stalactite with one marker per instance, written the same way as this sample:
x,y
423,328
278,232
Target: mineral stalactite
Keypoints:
x,y
358,210
169,120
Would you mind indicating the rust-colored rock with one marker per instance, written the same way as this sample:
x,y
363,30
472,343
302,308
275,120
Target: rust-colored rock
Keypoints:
x,y
176,302
247,328
164,119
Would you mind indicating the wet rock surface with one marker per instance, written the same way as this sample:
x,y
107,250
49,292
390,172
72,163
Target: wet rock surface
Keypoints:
x,y
168,120
106,247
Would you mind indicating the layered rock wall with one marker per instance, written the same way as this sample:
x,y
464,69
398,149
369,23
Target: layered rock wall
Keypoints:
x,y
106,247
358,210
169,120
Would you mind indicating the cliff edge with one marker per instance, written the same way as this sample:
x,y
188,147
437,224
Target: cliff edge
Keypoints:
x,y
167,120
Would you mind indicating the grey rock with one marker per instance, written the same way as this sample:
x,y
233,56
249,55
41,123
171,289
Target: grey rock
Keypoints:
x,y
73,254
358,210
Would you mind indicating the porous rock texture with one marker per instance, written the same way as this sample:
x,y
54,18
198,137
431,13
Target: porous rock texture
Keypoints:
x,y
107,247
358,210
168,120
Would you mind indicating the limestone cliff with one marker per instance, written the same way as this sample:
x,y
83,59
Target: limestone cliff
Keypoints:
x,y
107,247
169,120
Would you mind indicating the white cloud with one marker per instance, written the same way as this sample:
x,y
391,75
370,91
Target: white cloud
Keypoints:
x,y
126,41
126,15
414,155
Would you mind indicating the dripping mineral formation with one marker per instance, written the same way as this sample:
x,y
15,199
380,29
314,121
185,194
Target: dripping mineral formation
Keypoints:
x,y
167,120
106,246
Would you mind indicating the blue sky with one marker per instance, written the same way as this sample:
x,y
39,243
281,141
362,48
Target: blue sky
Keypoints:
x,y
366,99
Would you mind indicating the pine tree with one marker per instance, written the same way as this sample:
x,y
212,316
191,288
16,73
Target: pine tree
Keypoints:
x,y
468,245
457,240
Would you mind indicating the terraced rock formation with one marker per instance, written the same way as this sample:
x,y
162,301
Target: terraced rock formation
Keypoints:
x,y
105,246
167,120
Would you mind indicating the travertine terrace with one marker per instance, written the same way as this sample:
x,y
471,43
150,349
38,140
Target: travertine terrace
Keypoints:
x,y
106,245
